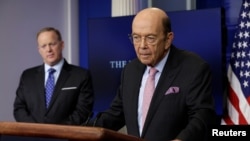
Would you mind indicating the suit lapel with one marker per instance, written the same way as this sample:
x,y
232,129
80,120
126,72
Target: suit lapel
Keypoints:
x,y
41,88
136,79
131,81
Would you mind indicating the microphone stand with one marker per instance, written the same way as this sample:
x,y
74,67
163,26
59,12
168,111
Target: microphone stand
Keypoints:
x,y
96,118
88,119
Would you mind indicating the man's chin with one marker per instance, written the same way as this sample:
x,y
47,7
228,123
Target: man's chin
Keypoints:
x,y
51,62
146,62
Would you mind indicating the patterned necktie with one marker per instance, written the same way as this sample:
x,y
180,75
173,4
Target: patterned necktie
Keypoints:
x,y
148,93
50,86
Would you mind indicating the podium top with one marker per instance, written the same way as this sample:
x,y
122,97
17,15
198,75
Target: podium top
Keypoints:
x,y
72,133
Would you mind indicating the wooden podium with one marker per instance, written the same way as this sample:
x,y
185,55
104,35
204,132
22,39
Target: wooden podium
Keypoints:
x,y
68,132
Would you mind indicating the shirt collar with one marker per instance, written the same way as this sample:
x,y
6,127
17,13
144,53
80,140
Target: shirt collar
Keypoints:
x,y
161,64
57,67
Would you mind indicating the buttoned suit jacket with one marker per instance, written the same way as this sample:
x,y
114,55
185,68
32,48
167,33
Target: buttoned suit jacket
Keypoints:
x,y
186,112
72,99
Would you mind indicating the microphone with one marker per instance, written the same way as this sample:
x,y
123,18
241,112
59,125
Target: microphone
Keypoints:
x,y
96,118
88,119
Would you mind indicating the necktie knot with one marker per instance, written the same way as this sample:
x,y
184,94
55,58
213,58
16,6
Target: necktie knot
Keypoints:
x,y
152,71
51,71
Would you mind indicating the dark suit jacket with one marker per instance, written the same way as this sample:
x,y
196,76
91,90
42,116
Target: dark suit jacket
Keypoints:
x,y
71,103
185,114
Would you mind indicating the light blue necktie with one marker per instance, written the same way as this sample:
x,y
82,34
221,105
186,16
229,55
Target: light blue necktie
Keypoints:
x,y
49,87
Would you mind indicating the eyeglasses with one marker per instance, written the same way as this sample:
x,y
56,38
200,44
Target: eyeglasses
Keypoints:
x,y
136,39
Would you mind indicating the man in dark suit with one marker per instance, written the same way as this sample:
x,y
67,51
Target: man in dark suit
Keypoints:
x,y
182,106
72,97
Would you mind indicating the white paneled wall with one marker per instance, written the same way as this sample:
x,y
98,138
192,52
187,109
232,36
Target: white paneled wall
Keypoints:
x,y
125,7
131,7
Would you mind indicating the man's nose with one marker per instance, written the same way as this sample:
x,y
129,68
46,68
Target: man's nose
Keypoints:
x,y
142,42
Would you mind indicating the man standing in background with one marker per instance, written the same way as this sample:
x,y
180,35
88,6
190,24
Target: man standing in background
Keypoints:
x,y
55,92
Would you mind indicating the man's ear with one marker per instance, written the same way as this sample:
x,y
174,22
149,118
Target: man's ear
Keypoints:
x,y
169,39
